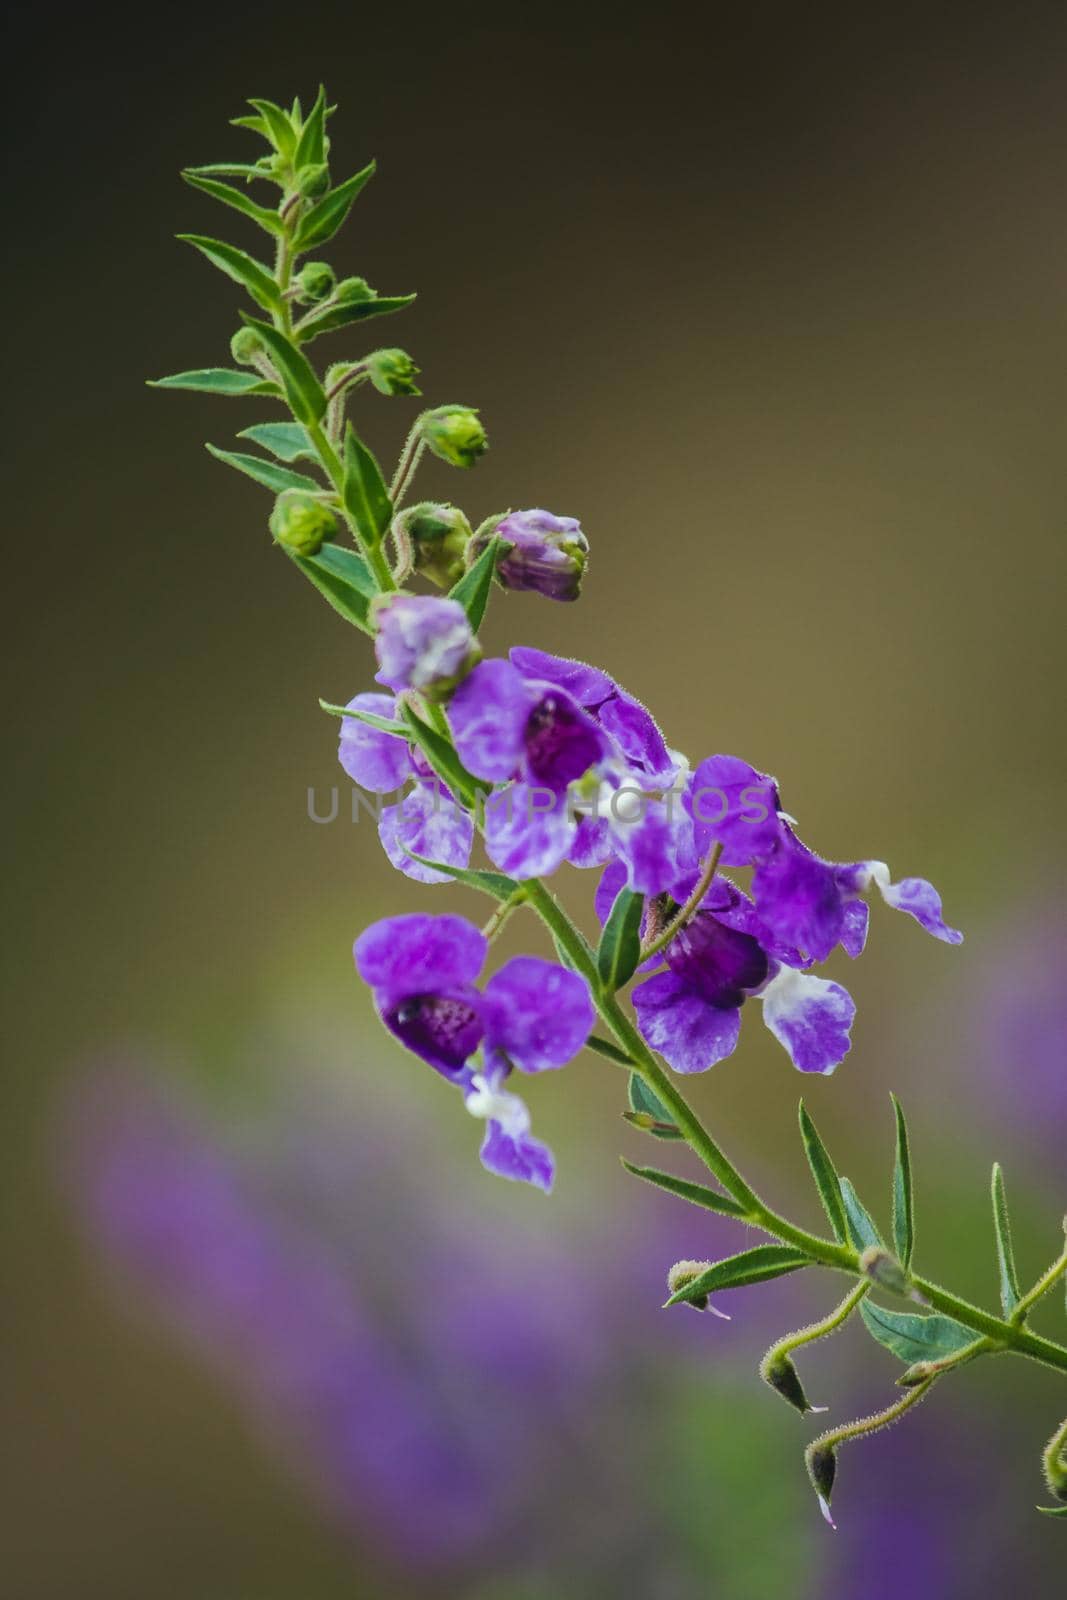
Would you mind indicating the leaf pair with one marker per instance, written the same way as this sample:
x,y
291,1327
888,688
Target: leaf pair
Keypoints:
x,y
850,1220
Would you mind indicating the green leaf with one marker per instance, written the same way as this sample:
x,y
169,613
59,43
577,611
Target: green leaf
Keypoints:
x,y
257,125
472,590
757,1265
619,950
348,601
286,440
310,150
217,380
304,392
912,1337
695,1193
608,1049
1010,1293
230,169
373,720
825,1174
1053,1511
365,494
862,1232
645,1103
277,126
265,472
347,567
347,311
903,1192
497,884
262,215
327,214
442,758
238,266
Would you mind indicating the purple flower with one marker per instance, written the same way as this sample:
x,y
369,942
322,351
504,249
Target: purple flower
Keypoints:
x,y
808,902
548,554
427,821
423,642
532,1015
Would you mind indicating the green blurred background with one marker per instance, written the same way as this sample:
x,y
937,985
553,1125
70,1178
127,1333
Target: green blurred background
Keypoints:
x,y
773,301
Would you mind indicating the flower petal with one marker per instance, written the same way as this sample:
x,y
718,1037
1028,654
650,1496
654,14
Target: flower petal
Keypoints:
x,y
811,1017
588,685
690,1034
430,824
508,1149
537,1014
488,714
419,954
733,804
635,732
915,896
528,831
374,760
654,839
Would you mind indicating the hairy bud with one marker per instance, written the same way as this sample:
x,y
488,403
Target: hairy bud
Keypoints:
x,y
686,1272
245,346
821,1462
312,182
351,290
547,554
455,434
392,372
301,523
884,1269
434,539
784,1379
314,282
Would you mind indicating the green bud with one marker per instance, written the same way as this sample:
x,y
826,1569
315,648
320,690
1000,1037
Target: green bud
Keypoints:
x,y
245,346
312,182
455,434
884,1269
392,372
686,1272
784,1379
349,290
314,282
435,538
301,523
821,1462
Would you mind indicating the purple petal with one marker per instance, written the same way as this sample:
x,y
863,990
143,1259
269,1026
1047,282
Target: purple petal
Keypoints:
x,y
654,840
528,831
419,954
588,685
374,760
423,641
637,736
811,1017
560,741
857,915
801,897
915,896
536,1013
431,824
521,1158
733,804
488,714
612,879
717,961
592,843
444,1027
690,1034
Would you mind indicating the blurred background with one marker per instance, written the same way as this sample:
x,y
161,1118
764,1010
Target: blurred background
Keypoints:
x,y
775,302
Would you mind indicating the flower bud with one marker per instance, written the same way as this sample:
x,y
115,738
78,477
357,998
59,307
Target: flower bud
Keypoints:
x,y
423,643
684,1273
455,434
245,346
435,538
548,554
312,182
314,282
392,372
822,1470
883,1269
784,1379
301,523
349,290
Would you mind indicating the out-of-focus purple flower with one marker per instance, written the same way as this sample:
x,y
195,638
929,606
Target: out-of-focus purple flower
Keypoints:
x,y
423,642
532,1015
548,554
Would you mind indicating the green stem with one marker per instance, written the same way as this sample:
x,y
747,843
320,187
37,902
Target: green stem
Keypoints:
x,y
818,1330
679,920
1041,1287
1054,1463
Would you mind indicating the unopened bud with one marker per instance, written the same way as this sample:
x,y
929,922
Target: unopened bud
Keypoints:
x,y
684,1273
822,1470
548,554
314,282
423,643
245,346
455,434
917,1373
436,539
313,181
882,1268
301,523
349,290
392,372
784,1379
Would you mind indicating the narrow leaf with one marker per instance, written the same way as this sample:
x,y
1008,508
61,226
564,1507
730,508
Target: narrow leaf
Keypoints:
x,y
696,1193
268,220
347,567
371,718
286,440
347,601
265,472
309,149
608,1049
825,1174
1053,1511
903,1193
327,215
365,494
279,129
757,1265
862,1232
472,590
1010,1293
305,393
442,758
239,266
257,124
497,884
230,169
216,380
912,1337
646,1103
619,950
347,311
